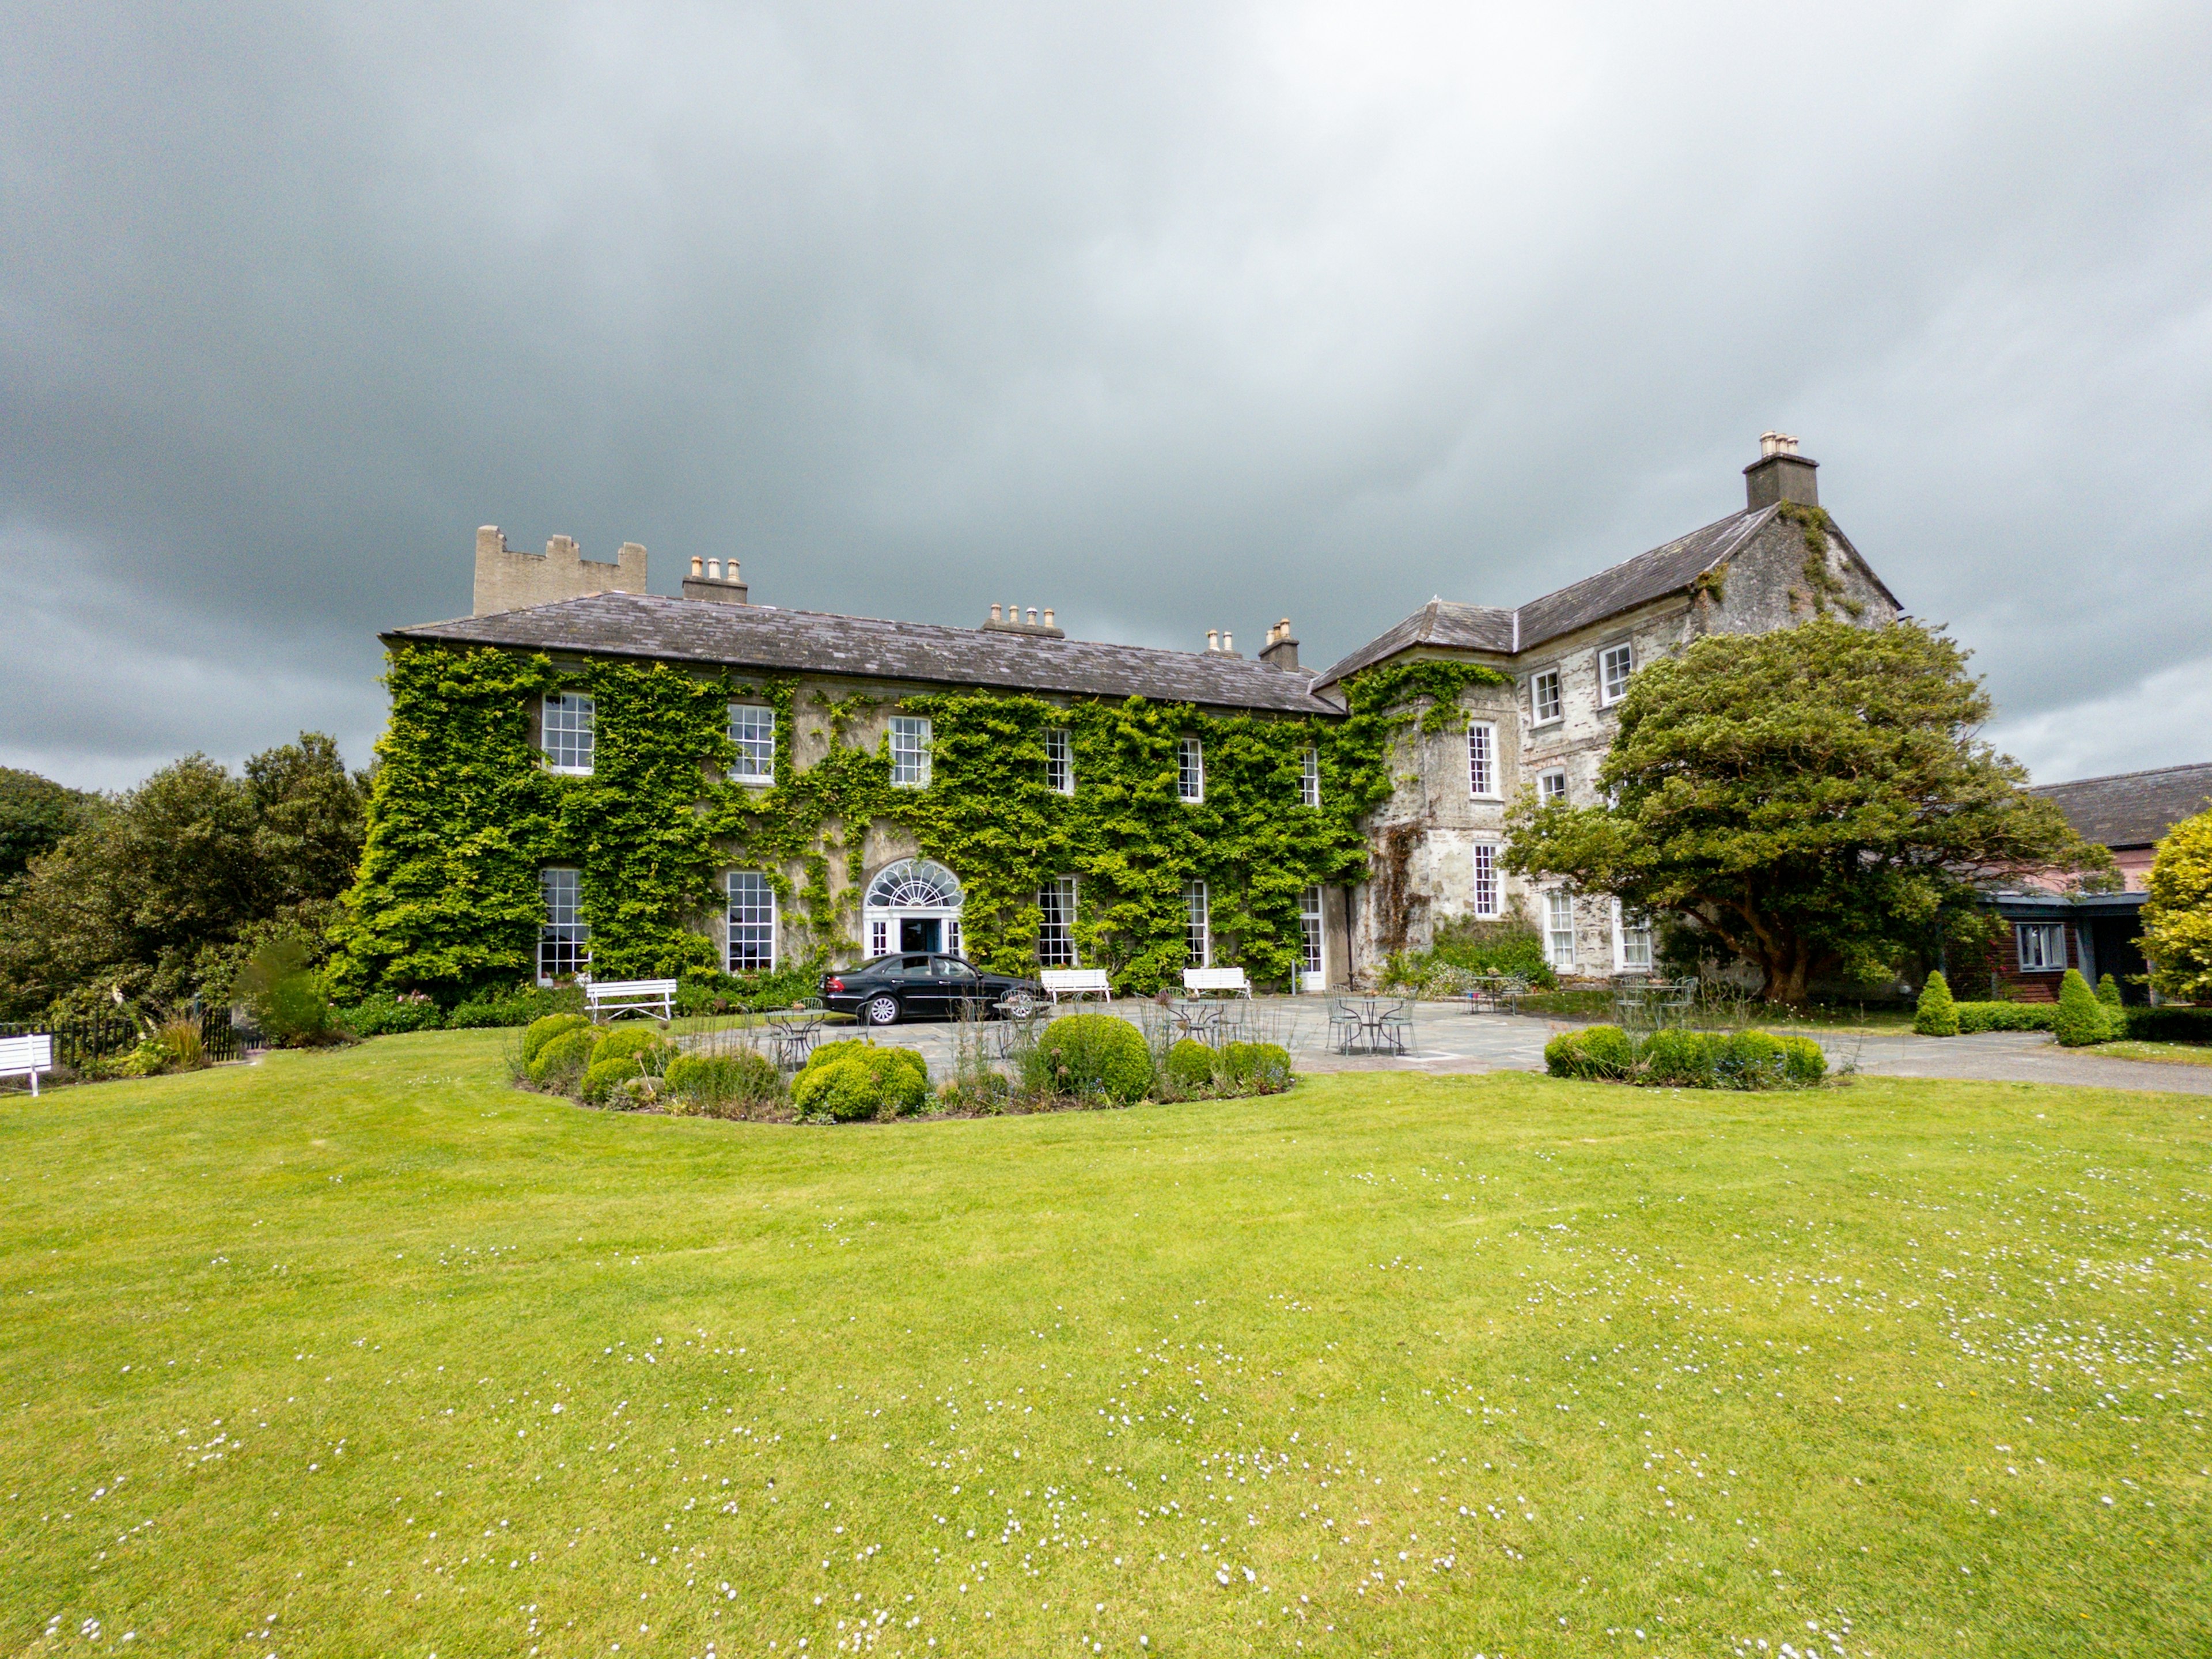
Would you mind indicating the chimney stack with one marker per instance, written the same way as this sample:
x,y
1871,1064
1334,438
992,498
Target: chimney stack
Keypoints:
x,y
715,585
1780,474
1007,619
1281,651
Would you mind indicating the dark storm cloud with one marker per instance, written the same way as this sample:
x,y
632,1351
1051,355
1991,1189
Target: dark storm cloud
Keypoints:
x,y
1173,318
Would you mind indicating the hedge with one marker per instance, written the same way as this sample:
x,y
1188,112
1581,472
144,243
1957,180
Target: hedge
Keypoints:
x,y
1674,1059
2169,1025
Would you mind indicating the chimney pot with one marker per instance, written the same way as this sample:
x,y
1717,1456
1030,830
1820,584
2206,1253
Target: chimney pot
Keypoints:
x,y
995,610
1228,643
697,565
1213,641
713,570
1049,621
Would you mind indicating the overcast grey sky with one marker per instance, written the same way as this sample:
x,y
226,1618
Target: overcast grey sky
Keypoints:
x,y
1171,316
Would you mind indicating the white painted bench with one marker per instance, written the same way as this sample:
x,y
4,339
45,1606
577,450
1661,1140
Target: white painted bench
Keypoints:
x,y
1197,982
618,996
27,1055
1060,982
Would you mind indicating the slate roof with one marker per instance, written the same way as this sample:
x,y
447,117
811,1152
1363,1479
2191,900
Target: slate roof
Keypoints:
x,y
765,636
2132,809
1648,577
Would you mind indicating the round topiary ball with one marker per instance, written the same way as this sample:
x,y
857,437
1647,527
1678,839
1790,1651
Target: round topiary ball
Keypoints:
x,y
1190,1067
539,1032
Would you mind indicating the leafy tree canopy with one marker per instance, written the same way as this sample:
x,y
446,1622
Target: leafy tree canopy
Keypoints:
x,y
1816,799
165,892
2178,914
35,814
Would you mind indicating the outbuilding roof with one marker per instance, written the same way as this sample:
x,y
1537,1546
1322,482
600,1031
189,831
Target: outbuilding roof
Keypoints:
x,y
771,638
2132,809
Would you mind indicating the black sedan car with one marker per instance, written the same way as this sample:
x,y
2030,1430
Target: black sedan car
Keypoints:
x,y
919,985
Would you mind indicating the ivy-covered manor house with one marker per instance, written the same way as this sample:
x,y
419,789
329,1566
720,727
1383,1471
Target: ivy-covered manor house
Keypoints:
x,y
585,777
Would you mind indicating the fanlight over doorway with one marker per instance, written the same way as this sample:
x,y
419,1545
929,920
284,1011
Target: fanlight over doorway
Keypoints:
x,y
914,884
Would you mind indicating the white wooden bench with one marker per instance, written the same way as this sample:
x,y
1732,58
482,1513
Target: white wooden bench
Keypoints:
x,y
27,1055
1198,981
1060,982
620,996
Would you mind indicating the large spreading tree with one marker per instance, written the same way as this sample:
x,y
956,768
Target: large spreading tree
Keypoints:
x,y
161,894
1815,800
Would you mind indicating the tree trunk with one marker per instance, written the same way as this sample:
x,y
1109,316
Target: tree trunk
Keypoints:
x,y
1787,972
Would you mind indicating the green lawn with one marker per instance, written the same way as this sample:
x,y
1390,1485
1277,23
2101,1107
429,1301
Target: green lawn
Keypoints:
x,y
364,1352
2167,1054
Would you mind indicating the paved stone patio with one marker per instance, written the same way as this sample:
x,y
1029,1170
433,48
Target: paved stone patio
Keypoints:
x,y
1448,1039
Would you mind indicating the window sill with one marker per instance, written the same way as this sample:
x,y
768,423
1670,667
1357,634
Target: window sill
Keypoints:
x,y
1547,722
750,781
569,771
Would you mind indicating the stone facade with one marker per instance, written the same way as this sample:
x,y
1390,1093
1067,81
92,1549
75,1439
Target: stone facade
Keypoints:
x,y
1774,562
1423,838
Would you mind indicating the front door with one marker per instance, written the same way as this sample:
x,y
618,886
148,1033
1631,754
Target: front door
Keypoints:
x,y
921,933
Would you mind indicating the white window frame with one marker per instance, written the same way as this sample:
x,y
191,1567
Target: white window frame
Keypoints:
x,y
752,734
879,937
1313,956
1309,778
564,939
1552,786
1542,680
1190,769
1559,901
752,912
1628,928
1060,759
1482,760
1197,926
1488,899
2045,933
568,732
1056,923
1611,690
909,741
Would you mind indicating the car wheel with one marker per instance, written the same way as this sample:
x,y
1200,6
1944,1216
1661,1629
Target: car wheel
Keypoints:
x,y
880,1010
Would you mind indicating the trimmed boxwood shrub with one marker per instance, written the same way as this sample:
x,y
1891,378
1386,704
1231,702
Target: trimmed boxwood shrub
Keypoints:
x,y
562,1060
1681,1059
1749,1060
717,1085
1595,1051
642,1043
1937,1014
855,1080
2081,1020
1803,1062
1264,1068
1090,1054
1190,1065
543,1031
604,1078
